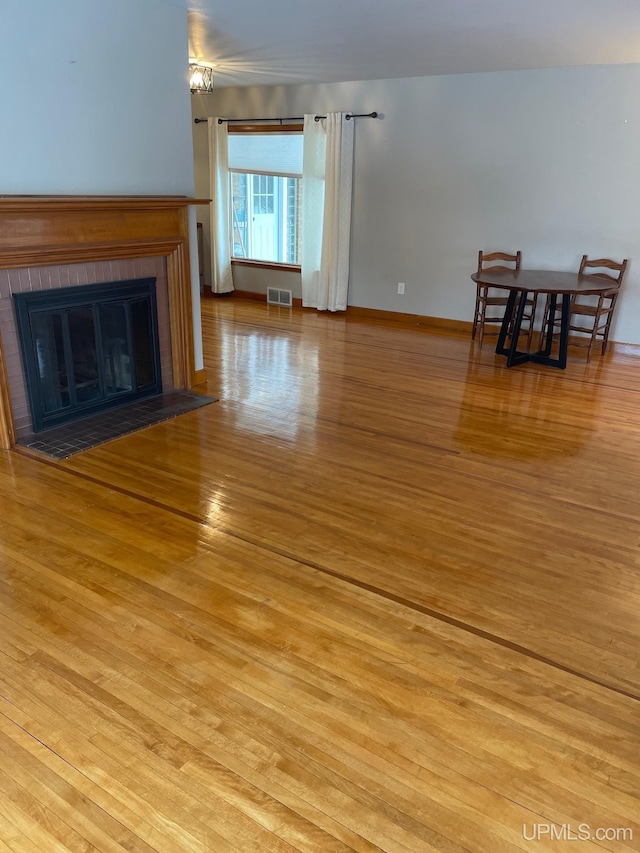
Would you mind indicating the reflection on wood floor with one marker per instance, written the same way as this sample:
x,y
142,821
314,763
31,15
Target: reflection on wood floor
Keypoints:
x,y
383,596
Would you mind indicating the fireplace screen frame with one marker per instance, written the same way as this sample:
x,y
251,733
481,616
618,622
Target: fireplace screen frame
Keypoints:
x,y
99,300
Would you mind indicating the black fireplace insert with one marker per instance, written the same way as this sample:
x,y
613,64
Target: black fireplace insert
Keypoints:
x,y
89,348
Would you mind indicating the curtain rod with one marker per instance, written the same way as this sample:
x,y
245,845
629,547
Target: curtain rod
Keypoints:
x,y
290,118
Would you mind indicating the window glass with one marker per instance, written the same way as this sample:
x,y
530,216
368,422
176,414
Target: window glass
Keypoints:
x,y
266,153
265,179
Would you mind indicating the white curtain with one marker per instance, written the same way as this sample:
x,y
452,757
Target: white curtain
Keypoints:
x,y
327,175
221,279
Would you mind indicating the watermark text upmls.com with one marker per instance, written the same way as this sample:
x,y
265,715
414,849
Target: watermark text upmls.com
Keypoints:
x,y
575,832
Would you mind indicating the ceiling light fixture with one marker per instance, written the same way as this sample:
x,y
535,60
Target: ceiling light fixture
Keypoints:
x,y
200,78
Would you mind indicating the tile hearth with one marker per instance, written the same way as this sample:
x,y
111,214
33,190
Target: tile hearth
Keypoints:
x,y
64,441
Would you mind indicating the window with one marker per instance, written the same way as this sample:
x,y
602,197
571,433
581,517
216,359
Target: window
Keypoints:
x,y
265,171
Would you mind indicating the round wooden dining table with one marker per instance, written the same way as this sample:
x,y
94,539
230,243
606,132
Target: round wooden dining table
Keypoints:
x,y
554,283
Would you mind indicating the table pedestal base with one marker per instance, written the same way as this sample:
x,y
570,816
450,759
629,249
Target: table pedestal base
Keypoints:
x,y
513,320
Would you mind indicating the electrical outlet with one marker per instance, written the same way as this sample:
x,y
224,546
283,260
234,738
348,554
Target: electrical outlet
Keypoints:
x,y
401,287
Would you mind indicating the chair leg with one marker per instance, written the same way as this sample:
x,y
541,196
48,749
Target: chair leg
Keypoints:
x,y
482,315
476,315
593,338
604,310
532,320
545,318
605,337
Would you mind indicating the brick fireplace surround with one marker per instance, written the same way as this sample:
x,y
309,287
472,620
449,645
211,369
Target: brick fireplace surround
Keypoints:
x,y
101,236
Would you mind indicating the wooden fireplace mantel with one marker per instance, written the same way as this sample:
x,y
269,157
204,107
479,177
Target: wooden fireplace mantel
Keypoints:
x,y
53,230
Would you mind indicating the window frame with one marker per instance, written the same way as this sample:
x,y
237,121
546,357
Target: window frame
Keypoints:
x,y
261,129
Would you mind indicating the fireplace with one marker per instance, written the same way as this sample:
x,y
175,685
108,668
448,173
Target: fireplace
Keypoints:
x,y
88,349
56,241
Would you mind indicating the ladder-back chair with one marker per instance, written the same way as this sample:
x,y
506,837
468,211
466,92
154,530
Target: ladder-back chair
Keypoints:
x,y
491,302
591,316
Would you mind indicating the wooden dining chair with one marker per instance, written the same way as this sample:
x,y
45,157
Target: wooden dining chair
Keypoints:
x,y
591,316
491,302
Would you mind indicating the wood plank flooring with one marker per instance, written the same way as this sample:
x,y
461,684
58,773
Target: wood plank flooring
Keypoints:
x,y
383,596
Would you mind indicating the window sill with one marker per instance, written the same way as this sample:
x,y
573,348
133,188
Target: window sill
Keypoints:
x,y
265,265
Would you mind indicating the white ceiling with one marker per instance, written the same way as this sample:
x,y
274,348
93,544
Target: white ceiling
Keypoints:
x,y
272,42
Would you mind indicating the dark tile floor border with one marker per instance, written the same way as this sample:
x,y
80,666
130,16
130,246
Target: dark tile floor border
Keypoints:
x,y
64,441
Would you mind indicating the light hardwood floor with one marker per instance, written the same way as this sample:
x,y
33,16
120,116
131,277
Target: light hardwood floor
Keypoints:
x,y
383,596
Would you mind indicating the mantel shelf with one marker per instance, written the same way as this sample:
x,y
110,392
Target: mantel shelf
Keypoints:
x,y
30,203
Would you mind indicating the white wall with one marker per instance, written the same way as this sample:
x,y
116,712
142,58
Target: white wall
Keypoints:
x,y
543,161
94,98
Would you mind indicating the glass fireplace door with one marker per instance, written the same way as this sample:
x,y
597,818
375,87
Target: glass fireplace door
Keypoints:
x,y
89,348
114,330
